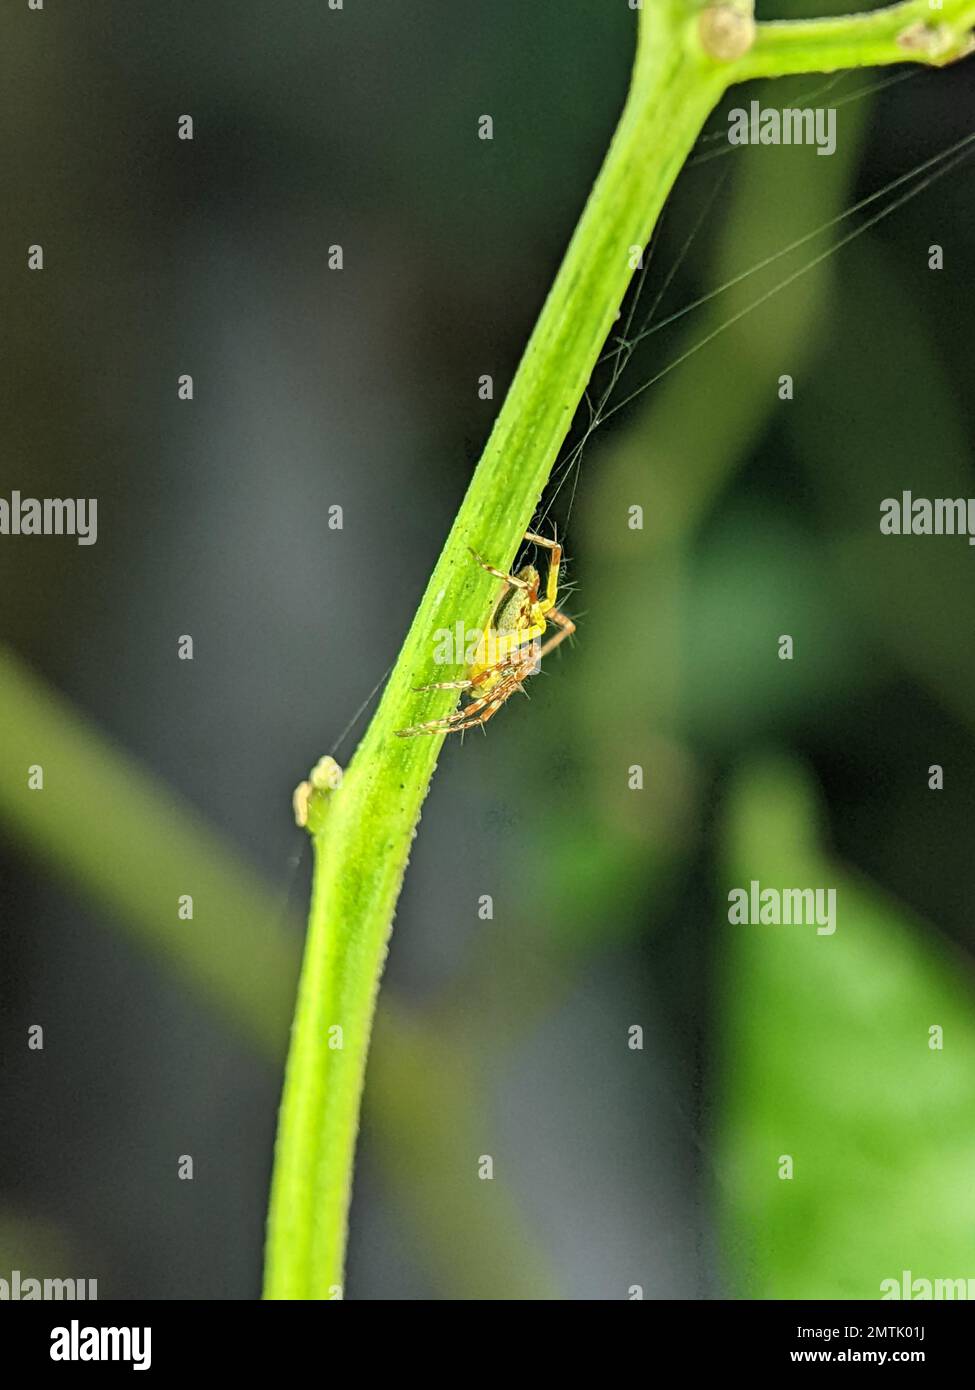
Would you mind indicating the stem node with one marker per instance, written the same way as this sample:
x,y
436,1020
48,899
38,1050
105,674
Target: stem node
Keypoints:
x,y
726,31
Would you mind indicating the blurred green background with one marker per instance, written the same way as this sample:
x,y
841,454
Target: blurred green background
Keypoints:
x,y
616,1169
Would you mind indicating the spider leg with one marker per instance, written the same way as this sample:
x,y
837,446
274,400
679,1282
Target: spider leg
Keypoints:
x,y
554,566
511,579
444,685
566,628
491,708
478,711
477,679
449,724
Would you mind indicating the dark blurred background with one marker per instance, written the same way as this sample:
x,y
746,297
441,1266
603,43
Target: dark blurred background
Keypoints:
x,y
617,1168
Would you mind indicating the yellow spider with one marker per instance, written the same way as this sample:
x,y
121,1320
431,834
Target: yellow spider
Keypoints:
x,y
509,649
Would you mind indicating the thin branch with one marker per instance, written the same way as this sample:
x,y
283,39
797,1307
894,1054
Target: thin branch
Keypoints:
x,y
912,32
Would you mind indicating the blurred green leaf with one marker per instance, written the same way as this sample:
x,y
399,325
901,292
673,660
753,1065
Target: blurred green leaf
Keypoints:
x,y
826,1058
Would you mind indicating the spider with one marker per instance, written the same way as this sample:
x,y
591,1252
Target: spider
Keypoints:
x,y
509,649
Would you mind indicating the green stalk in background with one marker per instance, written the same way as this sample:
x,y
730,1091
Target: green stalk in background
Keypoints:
x,y
130,846
686,58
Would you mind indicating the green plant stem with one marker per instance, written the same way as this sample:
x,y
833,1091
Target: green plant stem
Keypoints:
x,y
362,832
909,32
362,846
